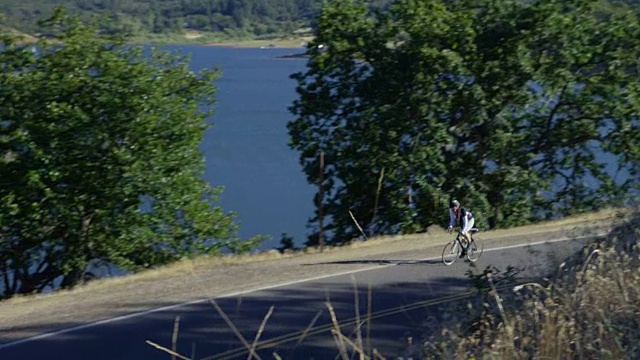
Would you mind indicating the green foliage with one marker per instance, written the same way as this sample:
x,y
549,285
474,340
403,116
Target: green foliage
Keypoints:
x,y
503,105
286,243
100,159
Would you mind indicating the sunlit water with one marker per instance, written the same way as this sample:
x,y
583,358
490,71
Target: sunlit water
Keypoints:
x,y
246,149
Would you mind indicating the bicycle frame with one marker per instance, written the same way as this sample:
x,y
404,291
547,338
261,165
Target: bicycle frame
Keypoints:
x,y
458,240
471,249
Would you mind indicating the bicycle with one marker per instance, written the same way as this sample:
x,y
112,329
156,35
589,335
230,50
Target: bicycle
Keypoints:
x,y
452,250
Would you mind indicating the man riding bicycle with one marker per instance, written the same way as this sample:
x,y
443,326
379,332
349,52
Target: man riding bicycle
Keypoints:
x,y
464,217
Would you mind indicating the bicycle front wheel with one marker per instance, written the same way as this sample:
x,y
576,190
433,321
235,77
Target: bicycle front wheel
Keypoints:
x,y
450,253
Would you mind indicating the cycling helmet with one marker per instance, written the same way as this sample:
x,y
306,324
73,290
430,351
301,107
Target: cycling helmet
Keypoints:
x,y
453,204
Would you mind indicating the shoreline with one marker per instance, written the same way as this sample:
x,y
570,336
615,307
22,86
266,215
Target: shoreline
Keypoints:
x,y
293,43
259,44
241,46
297,52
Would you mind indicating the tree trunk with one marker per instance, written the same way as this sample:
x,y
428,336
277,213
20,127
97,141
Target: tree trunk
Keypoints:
x,y
36,282
494,219
73,278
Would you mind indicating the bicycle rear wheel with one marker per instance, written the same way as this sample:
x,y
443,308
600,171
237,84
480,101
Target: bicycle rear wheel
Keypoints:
x,y
474,251
450,252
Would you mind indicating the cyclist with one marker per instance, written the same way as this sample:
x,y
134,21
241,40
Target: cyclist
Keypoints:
x,y
464,217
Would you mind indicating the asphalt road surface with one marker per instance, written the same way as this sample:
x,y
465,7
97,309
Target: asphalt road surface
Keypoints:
x,y
402,294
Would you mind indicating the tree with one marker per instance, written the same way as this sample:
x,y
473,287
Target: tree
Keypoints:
x,y
100,159
503,105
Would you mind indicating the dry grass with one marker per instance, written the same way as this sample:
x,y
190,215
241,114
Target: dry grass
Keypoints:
x,y
288,43
436,235
573,318
590,311
182,268
191,35
349,346
196,279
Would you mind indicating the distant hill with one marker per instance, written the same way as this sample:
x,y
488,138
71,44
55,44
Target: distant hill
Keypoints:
x,y
224,18
195,20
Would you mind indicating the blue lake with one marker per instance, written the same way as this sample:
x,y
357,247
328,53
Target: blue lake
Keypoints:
x,y
246,147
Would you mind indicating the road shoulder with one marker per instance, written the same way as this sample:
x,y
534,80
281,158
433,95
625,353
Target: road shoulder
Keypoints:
x,y
197,280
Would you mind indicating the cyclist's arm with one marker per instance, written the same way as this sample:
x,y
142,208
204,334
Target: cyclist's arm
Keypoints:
x,y
452,219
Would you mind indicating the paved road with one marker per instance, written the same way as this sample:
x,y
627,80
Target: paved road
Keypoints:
x,y
400,290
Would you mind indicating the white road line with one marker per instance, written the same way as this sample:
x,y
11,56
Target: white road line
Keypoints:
x,y
546,242
269,287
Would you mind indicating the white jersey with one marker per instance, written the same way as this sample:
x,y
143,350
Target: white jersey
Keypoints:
x,y
466,220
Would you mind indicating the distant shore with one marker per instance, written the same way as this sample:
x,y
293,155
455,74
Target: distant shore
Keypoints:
x,y
202,39
299,43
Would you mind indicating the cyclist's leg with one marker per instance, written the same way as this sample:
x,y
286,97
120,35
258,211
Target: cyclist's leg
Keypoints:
x,y
464,242
467,231
463,247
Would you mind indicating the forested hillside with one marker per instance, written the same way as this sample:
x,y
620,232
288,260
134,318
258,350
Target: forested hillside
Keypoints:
x,y
248,18
227,18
